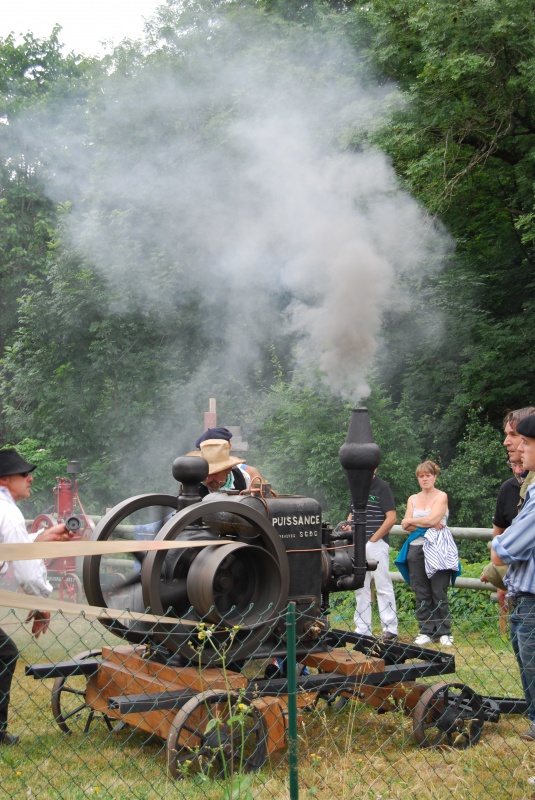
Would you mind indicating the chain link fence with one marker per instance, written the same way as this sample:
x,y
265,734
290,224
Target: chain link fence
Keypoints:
x,y
369,719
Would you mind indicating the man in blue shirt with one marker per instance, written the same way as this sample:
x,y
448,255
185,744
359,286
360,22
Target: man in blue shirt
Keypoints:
x,y
516,547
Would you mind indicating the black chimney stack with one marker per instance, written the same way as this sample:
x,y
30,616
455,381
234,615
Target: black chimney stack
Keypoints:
x,y
359,456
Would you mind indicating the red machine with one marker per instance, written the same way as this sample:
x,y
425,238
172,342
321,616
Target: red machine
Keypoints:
x,y
68,509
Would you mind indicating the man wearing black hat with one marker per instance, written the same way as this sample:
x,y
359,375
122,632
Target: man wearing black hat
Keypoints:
x,y
516,547
15,484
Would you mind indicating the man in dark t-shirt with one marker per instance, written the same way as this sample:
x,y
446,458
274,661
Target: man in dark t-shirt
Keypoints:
x,y
507,502
381,515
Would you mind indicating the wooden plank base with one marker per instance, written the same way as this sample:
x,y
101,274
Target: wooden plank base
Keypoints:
x,y
124,671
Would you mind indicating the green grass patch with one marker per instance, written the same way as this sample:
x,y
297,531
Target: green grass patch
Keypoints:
x,y
349,752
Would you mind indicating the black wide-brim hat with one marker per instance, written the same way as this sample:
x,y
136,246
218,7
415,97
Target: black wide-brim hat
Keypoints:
x,y
11,463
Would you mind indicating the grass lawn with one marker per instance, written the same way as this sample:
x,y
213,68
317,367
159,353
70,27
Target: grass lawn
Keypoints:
x,y
350,752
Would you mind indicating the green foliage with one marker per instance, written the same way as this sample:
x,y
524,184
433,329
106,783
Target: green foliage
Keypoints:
x,y
33,75
82,377
464,143
473,477
89,372
301,427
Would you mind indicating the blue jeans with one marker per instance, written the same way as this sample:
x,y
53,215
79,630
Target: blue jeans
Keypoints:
x,y
522,627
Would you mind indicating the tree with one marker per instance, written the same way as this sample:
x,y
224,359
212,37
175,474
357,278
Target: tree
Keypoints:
x,y
300,428
464,143
33,74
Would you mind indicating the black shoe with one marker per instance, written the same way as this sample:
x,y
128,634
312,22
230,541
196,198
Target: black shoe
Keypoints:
x,y
388,637
8,738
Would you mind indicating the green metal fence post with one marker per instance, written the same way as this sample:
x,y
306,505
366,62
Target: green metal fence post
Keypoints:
x,y
291,662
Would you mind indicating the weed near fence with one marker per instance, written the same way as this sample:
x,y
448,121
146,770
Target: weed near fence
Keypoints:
x,y
346,747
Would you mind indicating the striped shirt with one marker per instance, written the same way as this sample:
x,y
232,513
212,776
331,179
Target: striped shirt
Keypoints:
x,y
440,551
516,547
380,500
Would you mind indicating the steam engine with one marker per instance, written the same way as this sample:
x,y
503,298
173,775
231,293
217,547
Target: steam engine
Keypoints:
x,y
230,596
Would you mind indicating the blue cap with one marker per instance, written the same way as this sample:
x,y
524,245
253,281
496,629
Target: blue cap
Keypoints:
x,y
214,433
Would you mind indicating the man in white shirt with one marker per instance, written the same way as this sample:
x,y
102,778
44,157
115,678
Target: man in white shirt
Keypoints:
x,y
16,484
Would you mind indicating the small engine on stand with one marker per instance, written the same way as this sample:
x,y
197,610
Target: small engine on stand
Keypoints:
x,y
276,549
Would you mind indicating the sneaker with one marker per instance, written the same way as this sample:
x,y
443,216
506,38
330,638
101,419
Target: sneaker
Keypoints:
x,y
422,639
529,735
8,738
446,641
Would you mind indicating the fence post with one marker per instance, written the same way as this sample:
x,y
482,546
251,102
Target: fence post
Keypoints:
x,y
291,664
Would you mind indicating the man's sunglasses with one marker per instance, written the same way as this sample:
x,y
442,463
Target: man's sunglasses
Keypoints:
x,y
24,474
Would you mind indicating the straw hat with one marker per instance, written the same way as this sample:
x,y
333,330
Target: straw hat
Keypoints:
x,y
217,453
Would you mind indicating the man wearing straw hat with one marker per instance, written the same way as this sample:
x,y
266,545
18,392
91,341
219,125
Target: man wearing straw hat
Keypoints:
x,y
224,472
16,484
241,474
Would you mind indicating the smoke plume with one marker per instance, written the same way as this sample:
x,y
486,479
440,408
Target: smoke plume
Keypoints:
x,y
216,173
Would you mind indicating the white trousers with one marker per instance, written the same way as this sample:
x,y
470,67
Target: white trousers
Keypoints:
x,y
386,601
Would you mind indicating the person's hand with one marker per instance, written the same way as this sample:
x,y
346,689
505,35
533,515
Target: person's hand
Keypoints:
x,y
483,578
345,528
41,622
57,533
502,599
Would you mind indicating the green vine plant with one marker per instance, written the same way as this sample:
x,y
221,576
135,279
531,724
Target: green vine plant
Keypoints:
x,y
228,726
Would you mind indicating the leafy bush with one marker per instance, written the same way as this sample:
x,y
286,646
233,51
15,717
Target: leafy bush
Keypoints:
x,y
474,476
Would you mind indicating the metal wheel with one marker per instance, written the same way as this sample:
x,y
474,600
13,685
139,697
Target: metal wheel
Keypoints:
x,y
68,702
448,715
96,578
218,734
70,588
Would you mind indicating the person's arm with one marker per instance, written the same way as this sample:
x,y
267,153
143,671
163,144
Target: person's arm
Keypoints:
x,y
41,622
438,510
517,542
252,472
496,531
496,560
57,533
390,520
406,522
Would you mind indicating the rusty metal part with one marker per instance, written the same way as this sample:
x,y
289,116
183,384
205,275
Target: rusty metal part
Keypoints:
x,y
70,588
216,733
43,521
448,715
